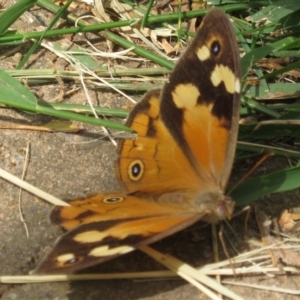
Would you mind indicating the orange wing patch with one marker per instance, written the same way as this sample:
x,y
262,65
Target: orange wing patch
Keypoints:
x,y
154,156
106,207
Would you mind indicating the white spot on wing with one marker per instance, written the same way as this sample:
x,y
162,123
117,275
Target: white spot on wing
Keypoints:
x,y
103,251
223,73
65,257
185,96
203,53
91,236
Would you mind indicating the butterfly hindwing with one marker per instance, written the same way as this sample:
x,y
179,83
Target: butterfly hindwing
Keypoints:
x,y
154,155
107,207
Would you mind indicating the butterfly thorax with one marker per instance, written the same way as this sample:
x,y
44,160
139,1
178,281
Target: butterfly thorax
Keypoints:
x,y
213,206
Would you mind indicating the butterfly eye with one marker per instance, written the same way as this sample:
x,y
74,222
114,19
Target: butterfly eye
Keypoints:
x,y
136,170
215,48
112,200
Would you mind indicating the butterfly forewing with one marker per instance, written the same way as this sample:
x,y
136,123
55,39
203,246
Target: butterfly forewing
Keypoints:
x,y
200,103
96,235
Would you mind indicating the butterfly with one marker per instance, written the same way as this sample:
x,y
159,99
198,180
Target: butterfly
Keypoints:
x,y
175,172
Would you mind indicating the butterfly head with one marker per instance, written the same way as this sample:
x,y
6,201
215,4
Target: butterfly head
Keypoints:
x,y
217,206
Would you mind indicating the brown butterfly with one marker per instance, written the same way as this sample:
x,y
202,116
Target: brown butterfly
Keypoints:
x,y
176,171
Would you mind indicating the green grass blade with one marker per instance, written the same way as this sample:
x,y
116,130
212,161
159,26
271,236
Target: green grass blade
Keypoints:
x,y
19,94
14,94
276,91
10,15
279,181
146,14
38,42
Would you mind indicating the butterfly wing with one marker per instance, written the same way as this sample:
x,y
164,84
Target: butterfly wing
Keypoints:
x,y
105,226
200,103
187,133
153,162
